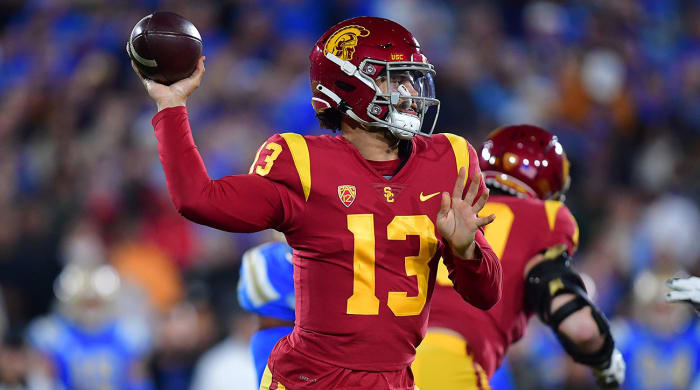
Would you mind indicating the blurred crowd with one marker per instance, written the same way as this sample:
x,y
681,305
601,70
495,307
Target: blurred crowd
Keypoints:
x,y
146,299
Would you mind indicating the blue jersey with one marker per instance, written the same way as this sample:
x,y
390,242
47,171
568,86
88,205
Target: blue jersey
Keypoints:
x,y
266,288
97,359
503,378
266,283
660,362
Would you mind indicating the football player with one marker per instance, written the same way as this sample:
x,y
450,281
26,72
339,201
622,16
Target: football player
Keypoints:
x,y
266,288
87,343
660,342
367,212
535,236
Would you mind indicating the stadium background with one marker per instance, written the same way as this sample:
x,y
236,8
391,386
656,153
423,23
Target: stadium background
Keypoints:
x,y
80,181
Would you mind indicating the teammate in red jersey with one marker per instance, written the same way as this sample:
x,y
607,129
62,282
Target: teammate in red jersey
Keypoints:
x,y
368,213
534,235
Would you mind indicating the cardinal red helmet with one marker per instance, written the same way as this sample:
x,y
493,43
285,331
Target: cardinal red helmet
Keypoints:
x,y
347,63
525,160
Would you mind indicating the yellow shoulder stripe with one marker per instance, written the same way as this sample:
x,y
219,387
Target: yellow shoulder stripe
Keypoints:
x,y
461,150
552,208
300,155
266,381
255,160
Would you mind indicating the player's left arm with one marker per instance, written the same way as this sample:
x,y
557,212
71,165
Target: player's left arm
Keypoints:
x,y
557,294
473,266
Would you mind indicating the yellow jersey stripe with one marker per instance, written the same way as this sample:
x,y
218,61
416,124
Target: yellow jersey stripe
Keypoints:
x,y
461,150
300,155
552,207
482,378
280,386
575,237
266,381
443,274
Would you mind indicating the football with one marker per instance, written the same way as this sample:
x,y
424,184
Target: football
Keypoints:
x,y
165,47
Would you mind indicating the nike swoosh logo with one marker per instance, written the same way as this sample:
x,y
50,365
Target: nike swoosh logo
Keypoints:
x,y
423,198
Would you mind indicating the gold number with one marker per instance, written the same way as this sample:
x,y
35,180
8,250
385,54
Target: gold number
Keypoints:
x,y
363,300
398,229
270,159
496,233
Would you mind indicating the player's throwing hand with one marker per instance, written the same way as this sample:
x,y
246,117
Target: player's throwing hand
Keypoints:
x,y
176,94
458,220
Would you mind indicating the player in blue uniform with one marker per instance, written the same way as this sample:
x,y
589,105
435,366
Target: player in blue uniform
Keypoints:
x,y
661,342
266,288
85,343
661,360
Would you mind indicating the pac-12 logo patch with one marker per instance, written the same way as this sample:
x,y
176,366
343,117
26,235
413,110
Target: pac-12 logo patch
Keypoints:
x,y
347,194
342,43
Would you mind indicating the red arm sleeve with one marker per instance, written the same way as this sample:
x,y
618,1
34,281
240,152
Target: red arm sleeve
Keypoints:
x,y
240,203
480,280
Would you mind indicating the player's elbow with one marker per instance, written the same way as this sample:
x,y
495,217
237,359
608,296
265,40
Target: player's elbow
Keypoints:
x,y
581,329
490,300
187,206
185,209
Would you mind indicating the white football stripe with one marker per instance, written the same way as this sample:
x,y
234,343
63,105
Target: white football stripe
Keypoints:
x,y
141,60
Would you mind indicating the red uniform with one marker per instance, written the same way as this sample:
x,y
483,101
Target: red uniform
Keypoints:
x,y
366,248
522,229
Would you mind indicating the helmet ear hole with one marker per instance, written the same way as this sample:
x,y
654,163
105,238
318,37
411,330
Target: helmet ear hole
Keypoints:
x,y
345,86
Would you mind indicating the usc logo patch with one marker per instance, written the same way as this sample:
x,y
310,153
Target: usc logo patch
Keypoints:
x,y
342,43
388,194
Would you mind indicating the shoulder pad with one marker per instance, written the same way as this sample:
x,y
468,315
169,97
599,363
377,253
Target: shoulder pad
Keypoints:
x,y
285,158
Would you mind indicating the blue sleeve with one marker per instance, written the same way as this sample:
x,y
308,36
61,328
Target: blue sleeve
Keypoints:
x,y
261,345
266,282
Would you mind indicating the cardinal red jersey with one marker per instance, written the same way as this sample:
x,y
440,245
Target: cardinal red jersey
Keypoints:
x,y
522,229
365,248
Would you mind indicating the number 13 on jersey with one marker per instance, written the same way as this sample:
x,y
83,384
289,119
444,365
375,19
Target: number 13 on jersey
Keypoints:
x,y
364,300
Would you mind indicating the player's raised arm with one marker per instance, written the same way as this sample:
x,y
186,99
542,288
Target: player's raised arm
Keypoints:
x,y
226,203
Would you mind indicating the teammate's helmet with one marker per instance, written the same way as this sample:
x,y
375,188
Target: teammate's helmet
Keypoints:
x,y
525,161
349,59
